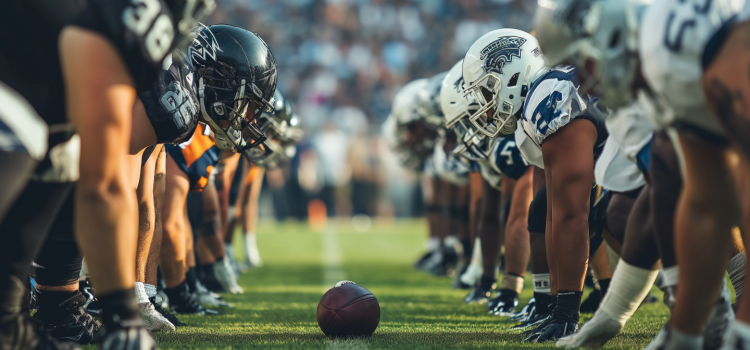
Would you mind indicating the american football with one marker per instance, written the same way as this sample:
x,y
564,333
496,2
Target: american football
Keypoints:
x,y
348,309
374,174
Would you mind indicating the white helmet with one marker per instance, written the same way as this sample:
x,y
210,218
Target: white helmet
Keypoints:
x,y
601,31
405,102
498,71
405,157
428,101
457,108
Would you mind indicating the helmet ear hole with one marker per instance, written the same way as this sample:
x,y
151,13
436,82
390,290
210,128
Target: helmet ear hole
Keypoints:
x,y
513,80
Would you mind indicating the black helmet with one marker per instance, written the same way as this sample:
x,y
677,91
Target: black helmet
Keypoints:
x,y
276,125
236,83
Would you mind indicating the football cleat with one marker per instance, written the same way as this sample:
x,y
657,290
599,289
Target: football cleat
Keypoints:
x,y
155,321
504,304
69,321
17,329
594,333
523,315
128,335
156,301
188,306
92,305
481,293
665,341
472,275
205,297
719,321
225,274
422,261
562,323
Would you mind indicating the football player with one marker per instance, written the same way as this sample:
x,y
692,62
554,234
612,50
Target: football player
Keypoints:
x,y
85,52
504,72
619,84
504,169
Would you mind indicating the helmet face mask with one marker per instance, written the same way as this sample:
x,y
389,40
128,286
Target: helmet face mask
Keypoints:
x,y
458,108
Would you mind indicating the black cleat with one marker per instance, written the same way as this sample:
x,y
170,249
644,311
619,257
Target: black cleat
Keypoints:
x,y
481,293
92,305
523,315
17,330
505,303
420,264
128,334
562,323
164,312
189,306
68,320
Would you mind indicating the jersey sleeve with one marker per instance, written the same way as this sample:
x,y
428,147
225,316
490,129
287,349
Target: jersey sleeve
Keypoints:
x,y
171,102
552,103
143,32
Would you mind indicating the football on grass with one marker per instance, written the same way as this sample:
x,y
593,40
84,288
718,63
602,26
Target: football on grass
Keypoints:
x,y
348,309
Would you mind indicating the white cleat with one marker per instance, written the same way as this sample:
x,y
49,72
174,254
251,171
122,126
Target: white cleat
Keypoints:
x,y
226,277
204,297
594,333
154,321
719,322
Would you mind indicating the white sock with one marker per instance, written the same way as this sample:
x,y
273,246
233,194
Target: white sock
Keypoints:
x,y
672,275
451,241
476,255
140,293
541,283
736,270
150,290
630,284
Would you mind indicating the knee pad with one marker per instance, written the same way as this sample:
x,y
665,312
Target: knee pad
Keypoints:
x,y
538,211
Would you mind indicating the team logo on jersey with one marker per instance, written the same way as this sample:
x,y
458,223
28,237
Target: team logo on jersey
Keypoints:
x,y
204,45
501,52
458,85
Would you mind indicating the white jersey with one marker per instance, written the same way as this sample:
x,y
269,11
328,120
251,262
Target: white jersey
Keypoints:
x,y
530,151
672,39
490,174
630,129
615,172
551,103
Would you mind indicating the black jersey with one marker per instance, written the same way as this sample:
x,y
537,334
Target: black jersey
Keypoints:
x,y
171,102
141,30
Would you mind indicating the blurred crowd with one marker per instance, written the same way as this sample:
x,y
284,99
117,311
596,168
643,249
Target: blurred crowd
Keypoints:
x,y
340,63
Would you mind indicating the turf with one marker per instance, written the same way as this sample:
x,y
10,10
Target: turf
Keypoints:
x,y
418,311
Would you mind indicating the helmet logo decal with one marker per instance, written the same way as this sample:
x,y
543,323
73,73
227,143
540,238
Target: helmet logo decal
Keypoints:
x,y
459,83
204,45
501,52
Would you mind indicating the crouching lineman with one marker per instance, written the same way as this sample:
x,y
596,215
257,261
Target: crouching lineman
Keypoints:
x,y
87,74
506,195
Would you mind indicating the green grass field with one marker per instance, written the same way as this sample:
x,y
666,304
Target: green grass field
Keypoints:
x,y
418,311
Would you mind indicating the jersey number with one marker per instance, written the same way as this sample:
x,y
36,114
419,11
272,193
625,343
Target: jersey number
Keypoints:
x,y
674,34
546,111
507,152
138,18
